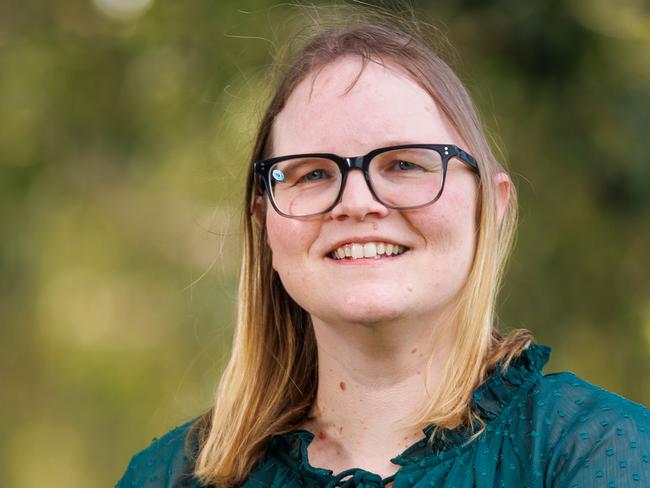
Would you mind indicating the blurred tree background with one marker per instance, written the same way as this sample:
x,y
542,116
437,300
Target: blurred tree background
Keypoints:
x,y
125,130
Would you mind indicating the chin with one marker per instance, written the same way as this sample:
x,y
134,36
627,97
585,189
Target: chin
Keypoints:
x,y
368,313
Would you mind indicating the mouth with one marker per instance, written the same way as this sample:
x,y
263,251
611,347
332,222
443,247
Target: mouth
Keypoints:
x,y
367,250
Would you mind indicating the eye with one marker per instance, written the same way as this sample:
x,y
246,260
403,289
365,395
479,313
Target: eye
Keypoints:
x,y
406,166
315,175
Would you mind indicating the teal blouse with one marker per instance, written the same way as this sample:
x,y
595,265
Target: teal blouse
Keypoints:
x,y
551,430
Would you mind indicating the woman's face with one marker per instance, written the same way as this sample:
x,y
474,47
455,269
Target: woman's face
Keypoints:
x,y
384,107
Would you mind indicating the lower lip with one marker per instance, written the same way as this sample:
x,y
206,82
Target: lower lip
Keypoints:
x,y
366,261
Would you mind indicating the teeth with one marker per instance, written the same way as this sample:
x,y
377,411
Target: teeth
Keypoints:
x,y
371,250
357,251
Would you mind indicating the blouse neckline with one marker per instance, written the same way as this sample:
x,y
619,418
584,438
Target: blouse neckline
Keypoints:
x,y
492,401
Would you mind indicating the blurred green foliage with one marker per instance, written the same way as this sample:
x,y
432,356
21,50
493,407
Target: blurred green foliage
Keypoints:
x,y
125,128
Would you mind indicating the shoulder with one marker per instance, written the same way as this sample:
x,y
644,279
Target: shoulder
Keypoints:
x,y
593,435
166,462
574,400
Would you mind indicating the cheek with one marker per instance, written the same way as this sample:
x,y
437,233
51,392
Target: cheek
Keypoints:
x,y
291,243
277,241
289,240
448,226
437,232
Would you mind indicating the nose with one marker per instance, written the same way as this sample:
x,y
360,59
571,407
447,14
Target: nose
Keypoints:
x,y
357,201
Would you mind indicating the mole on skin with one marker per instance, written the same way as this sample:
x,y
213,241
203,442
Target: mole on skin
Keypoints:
x,y
343,385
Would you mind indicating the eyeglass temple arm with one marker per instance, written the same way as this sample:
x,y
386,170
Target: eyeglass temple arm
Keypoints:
x,y
465,157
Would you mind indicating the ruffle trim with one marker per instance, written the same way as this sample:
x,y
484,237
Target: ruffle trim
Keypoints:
x,y
490,400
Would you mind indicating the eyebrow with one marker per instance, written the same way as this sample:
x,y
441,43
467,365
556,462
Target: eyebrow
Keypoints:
x,y
386,143
398,142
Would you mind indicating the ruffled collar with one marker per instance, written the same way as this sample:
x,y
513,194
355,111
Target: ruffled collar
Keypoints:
x,y
491,400
499,390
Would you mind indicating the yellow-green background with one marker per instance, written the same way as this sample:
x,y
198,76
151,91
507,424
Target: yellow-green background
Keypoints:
x,y
124,136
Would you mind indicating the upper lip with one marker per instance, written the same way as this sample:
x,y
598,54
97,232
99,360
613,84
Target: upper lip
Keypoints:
x,y
362,240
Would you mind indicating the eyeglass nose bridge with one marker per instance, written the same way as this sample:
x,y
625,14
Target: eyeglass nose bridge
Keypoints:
x,y
355,162
360,163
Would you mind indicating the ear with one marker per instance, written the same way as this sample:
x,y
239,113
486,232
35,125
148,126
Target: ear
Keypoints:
x,y
502,184
259,210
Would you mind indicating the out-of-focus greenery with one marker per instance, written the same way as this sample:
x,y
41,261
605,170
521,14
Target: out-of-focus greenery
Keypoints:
x,y
125,127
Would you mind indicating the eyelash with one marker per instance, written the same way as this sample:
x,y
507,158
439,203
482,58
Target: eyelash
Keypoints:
x,y
306,176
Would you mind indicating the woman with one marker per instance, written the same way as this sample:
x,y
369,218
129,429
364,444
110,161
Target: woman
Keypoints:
x,y
378,223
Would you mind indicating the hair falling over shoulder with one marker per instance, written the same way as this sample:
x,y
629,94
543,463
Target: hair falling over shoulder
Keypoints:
x,y
271,380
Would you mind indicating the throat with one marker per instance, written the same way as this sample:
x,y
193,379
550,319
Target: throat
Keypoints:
x,y
332,450
359,433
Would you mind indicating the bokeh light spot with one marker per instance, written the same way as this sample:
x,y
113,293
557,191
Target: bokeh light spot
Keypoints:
x,y
123,10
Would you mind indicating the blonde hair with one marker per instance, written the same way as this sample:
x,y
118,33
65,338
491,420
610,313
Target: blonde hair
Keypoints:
x,y
270,383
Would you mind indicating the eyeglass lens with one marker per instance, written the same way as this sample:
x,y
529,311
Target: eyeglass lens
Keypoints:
x,y
400,178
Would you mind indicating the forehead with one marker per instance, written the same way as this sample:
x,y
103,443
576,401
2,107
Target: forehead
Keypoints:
x,y
349,109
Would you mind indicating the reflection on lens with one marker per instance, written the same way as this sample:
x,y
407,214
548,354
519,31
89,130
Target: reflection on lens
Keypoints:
x,y
305,186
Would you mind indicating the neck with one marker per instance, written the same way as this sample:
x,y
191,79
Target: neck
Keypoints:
x,y
371,384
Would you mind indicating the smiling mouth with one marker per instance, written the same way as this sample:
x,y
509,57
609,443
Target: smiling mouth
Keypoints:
x,y
367,250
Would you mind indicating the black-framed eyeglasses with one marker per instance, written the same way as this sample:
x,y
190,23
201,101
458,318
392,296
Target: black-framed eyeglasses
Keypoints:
x,y
402,177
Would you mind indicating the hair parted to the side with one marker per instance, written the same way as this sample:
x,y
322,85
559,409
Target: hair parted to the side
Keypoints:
x,y
270,383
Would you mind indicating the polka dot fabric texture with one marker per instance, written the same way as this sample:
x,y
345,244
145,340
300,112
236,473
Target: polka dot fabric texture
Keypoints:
x,y
166,462
542,431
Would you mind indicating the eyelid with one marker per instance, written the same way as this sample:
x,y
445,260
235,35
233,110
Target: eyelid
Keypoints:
x,y
306,175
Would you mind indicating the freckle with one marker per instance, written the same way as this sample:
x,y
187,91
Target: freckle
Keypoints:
x,y
322,435
338,453
409,289
343,385
414,350
417,372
